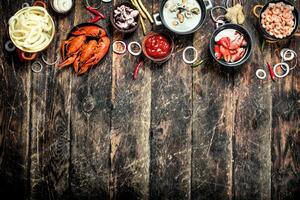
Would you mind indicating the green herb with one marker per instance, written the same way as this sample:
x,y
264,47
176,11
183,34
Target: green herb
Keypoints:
x,y
263,45
198,63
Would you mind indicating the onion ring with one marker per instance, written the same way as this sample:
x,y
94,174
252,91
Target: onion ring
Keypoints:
x,y
39,69
123,45
9,46
284,52
212,12
261,71
287,69
47,63
184,55
31,28
131,51
293,56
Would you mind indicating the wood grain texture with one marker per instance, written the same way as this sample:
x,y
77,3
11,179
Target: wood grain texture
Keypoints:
x,y
50,136
252,124
174,133
90,124
131,100
285,131
15,117
212,123
171,114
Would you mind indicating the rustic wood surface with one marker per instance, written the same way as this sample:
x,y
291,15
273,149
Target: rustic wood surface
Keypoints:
x,y
175,133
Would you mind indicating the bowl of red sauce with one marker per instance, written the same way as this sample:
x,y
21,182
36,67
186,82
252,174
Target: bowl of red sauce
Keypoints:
x,y
158,47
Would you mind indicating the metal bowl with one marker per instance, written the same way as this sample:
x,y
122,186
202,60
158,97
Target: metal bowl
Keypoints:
x,y
264,32
51,37
241,30
159,17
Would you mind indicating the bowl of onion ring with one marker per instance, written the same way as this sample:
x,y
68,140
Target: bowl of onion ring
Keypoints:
x,y
31,29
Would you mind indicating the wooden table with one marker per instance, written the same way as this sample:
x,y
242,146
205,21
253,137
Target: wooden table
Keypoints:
x,y
175,133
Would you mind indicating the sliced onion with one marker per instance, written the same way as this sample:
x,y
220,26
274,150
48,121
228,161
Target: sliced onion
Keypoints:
x,y
287,69
47,63
31,28
195,55
131,51
259,72
115,48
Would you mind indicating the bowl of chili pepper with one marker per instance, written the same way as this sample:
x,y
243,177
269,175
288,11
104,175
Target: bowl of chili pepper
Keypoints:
x,y
158,47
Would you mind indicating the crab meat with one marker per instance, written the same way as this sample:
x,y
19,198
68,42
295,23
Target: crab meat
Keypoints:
x,y
238,55
224,51
237,42
225,41
231,49
218,54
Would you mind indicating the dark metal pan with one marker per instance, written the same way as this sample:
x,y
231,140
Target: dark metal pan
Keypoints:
x,y
248,38
264,32
159,18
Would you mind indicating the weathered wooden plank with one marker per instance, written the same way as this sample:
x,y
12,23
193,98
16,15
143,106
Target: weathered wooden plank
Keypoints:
x,y
14,116
212,123
90,124
131,100
252,125
50,108
171,125
285,134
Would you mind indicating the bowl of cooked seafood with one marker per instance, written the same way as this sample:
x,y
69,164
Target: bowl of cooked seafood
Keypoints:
x,y
85,46
278,20
125,17
31,30
182,16
231,45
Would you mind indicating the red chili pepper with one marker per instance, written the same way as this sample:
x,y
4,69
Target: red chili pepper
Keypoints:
x,y
95,19
271,72
95,12
136,69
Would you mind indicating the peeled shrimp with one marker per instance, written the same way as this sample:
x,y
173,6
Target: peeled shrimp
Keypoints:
x,y
278,19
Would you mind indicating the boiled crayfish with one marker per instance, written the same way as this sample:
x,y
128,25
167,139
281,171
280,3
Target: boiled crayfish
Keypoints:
x,y
85,48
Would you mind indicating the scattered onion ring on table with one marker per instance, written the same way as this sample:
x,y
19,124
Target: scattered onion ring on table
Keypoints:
x,y
48,63
135,51
31,29
286,69
37,67
9,46
261,74
120,44
195,55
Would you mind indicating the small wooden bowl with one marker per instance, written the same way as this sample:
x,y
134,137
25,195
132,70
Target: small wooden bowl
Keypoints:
x,y
158,60
112,18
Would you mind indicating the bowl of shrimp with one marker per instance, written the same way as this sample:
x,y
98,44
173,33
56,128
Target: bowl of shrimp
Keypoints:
x,y
278,20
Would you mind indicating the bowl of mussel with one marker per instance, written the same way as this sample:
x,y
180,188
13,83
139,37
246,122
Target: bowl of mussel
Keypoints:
x,y
125,17
182,16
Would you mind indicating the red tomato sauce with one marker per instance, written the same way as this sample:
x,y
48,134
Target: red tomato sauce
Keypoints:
x,y
157,46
